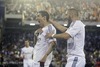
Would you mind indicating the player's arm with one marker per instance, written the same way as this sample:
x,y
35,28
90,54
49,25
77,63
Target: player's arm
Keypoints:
x,y
35,39
22,55
58,26
71,32
35,36
36,33
58,36
61,36
50,49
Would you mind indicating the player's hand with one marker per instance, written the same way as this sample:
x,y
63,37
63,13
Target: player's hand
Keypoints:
x,y
51,20
21,57
49,35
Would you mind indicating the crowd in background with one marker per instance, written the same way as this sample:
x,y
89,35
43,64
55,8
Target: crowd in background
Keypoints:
x,y
14,41
89,10
92,48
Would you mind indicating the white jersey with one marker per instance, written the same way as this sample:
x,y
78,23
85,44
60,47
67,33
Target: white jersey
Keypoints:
x,y
42,43
27,52
75,44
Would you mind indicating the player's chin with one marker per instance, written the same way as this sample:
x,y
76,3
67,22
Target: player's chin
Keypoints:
x,y
41,26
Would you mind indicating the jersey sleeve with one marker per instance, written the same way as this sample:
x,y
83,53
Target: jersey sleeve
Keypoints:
x,y
75,29
22,52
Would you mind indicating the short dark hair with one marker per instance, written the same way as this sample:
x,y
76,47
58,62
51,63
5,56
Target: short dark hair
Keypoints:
x,y
26,40
74,11
44,14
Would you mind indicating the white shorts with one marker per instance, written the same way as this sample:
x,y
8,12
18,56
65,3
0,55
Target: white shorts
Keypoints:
x,y
27,63
75,61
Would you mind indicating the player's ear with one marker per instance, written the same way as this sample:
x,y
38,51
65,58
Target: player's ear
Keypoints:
x,y
44,18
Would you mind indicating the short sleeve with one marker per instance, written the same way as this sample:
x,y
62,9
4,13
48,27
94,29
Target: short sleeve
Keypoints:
x,y
75,29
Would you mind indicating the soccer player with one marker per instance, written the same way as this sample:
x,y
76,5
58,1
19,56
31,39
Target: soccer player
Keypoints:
x,y
43,48
75,36
27,54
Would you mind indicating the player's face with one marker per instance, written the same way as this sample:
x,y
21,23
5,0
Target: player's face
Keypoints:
x,y
40,19
26,43
69,16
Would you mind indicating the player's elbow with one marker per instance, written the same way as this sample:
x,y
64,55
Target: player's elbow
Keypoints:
x,y
66,36
53,44
62,30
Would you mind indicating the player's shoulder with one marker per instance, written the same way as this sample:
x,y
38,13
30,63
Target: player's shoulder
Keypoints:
x,y
51,26
45,28
23,48
79,23
48,27
31,47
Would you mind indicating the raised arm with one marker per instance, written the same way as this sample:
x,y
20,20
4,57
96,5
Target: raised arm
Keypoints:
x,y
22,54
58,26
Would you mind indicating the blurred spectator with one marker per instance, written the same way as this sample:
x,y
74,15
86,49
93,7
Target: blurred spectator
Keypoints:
x,y
89,10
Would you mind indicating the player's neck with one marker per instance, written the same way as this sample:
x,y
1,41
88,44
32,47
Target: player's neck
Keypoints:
x,y
26,46
46,23
74,19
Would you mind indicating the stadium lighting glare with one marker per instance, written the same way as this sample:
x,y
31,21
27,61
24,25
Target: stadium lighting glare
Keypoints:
x,y
32,24
65,24
98,25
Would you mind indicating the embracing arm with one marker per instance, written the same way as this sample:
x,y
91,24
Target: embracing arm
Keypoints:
x,y
58,36
58,26
62,36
